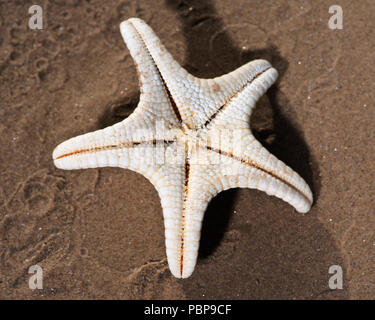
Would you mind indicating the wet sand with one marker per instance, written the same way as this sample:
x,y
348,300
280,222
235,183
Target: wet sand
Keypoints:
x,y
98,233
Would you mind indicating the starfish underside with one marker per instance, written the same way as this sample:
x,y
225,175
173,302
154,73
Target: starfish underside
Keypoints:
x,y
191,139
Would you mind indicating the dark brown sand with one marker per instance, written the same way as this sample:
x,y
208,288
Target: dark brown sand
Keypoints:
x,y
99,233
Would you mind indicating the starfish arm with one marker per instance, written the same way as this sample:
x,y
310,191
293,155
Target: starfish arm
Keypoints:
x,y
155,98
183,219
142,41
136,143
255,79
200,189
257,168
168,180
235,94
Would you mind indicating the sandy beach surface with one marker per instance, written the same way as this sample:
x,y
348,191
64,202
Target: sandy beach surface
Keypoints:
x,y
99,234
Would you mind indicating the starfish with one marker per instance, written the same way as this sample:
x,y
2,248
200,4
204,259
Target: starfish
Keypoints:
x,y
191,139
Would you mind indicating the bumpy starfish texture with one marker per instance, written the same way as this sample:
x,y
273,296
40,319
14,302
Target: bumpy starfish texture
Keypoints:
x,y
191,139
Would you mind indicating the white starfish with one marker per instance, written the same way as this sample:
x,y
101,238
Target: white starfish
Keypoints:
x,y
191,138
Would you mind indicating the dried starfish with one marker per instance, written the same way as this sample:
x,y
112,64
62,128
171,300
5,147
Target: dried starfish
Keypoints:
x,y
191,139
